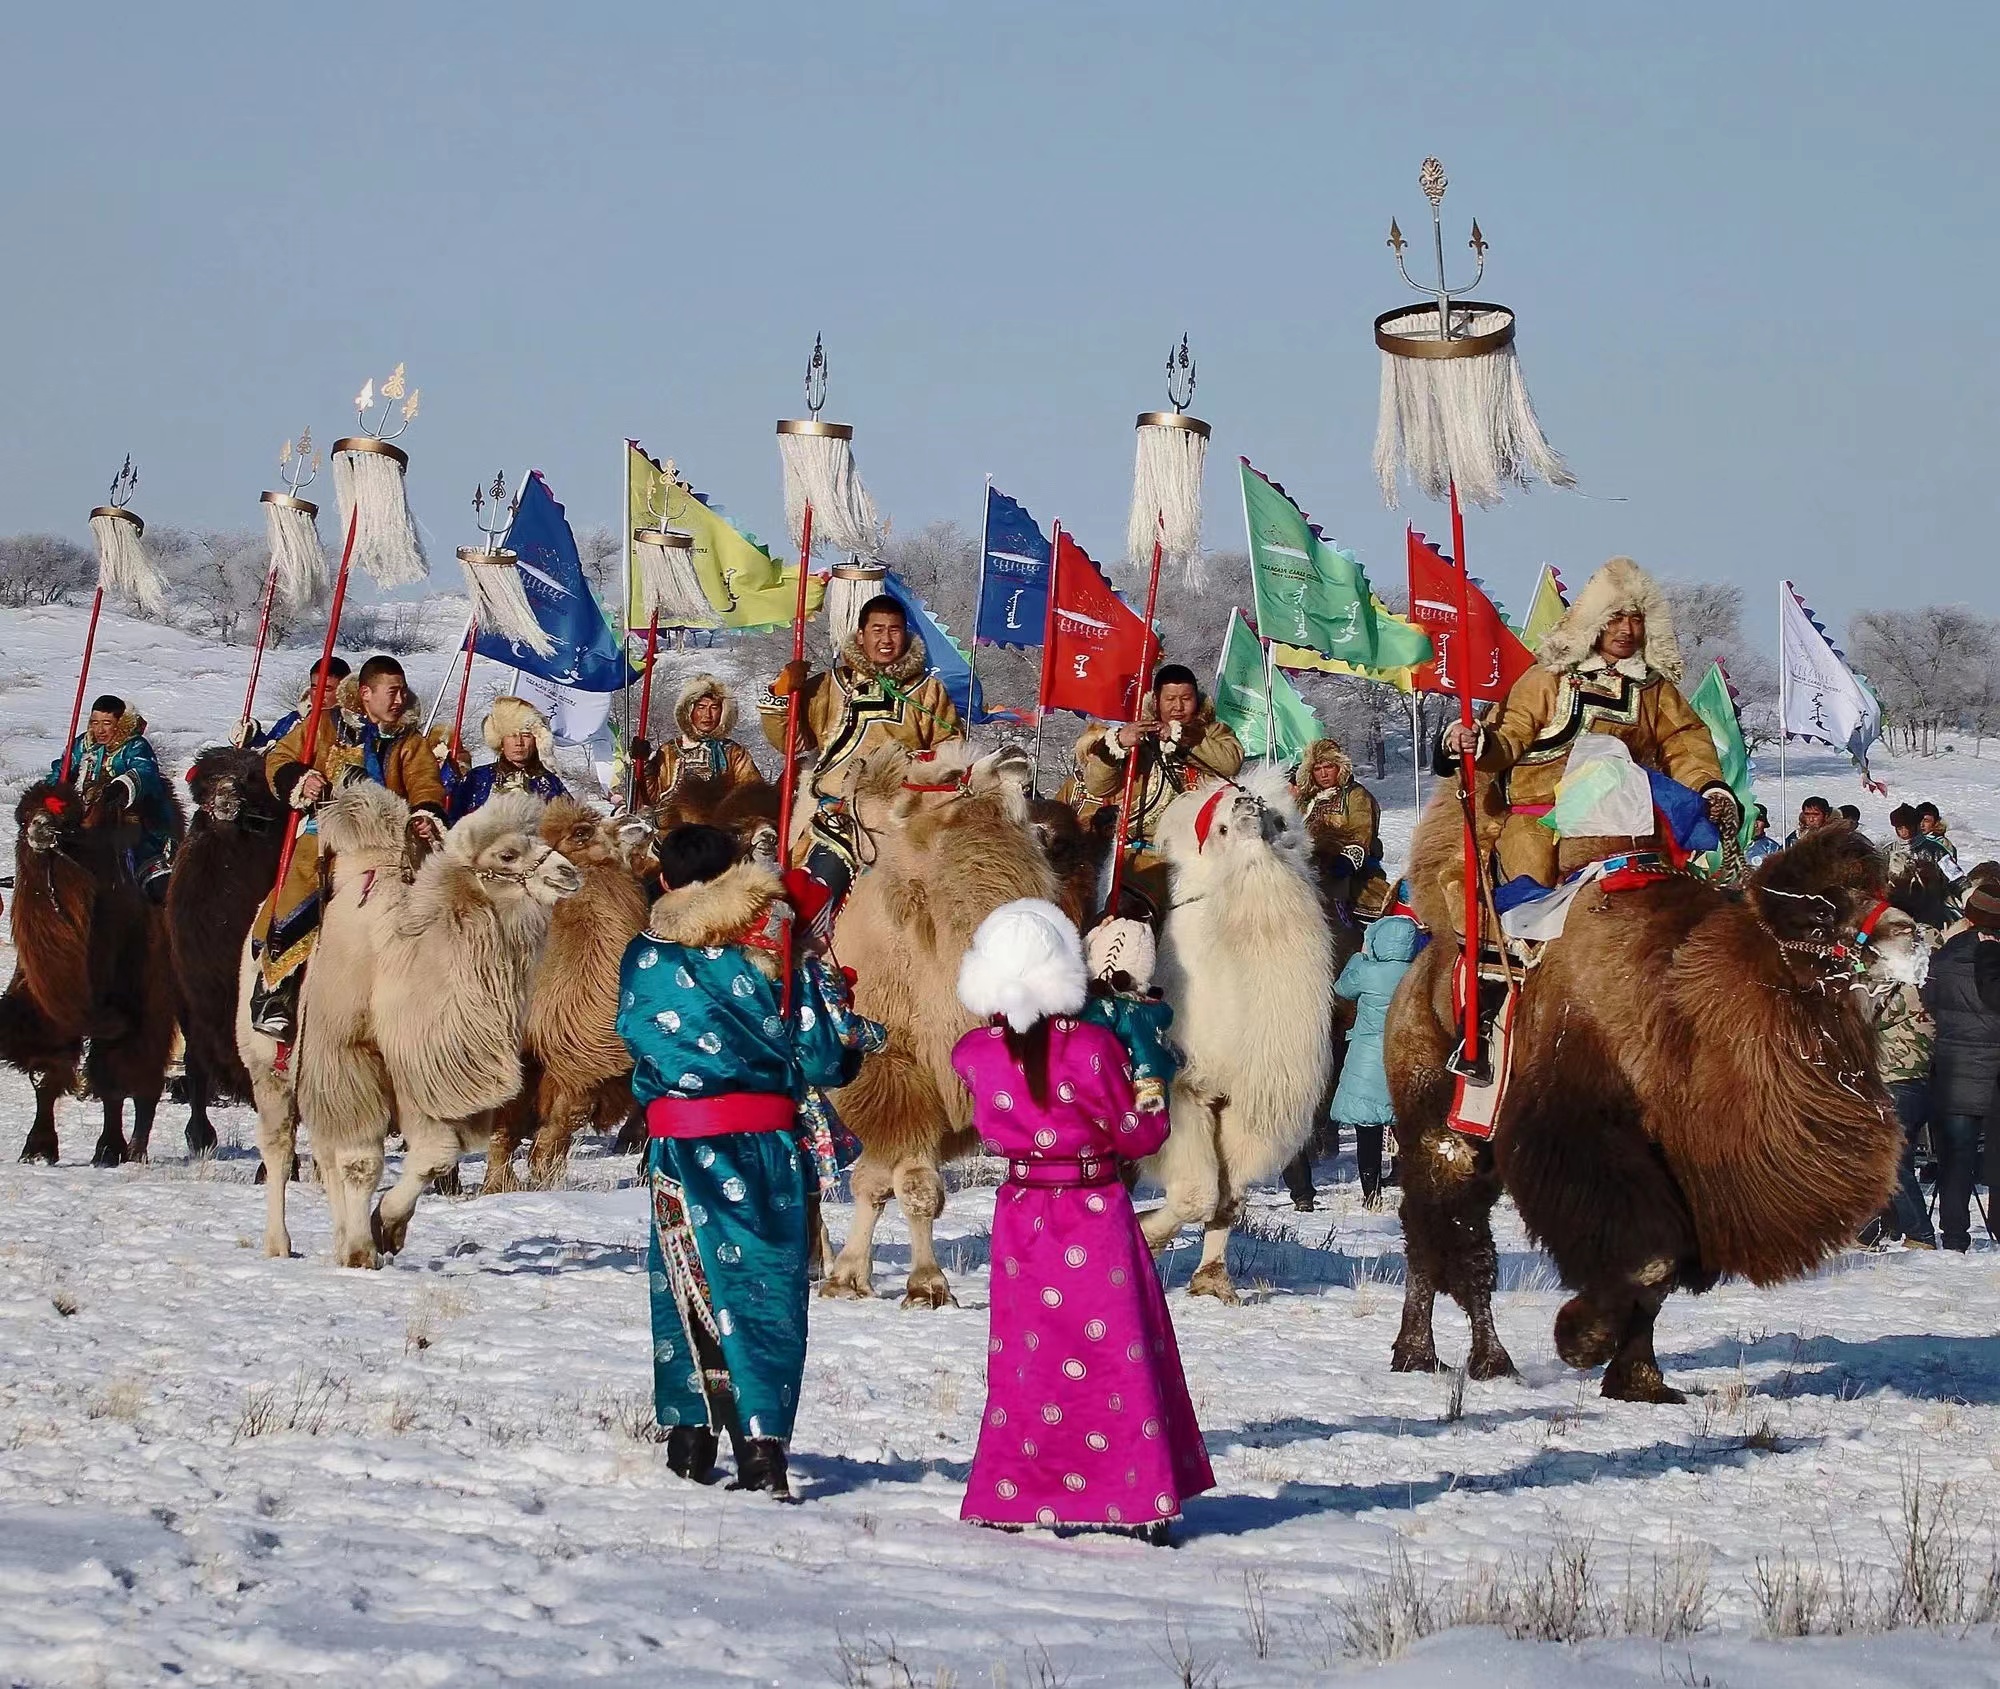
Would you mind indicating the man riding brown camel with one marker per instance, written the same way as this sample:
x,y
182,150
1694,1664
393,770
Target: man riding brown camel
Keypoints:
x,y
1610,666
1344,823
701,752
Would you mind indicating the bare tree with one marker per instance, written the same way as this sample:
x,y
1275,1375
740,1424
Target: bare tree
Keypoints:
x,y
1929,666
603,562
216,577
1708,626
43,568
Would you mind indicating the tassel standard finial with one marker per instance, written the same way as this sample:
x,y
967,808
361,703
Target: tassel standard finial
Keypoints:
x,y
368,477
820,475
124,568
1170,452
291,526
493,574
1454,405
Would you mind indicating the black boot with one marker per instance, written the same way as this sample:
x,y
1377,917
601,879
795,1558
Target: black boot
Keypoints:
x,y
761,1466
691,1453
275,1013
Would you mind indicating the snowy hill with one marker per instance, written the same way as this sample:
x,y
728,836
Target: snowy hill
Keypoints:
x,y
220,1469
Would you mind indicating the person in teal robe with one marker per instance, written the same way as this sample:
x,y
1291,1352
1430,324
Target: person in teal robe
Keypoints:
x,y
720,1067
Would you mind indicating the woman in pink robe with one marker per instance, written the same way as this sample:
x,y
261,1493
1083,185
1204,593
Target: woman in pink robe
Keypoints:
x,y
1087,1419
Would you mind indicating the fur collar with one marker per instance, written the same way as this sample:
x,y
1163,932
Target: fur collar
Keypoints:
x,y
1620,585
905,671
717,911
130,725
348,697
702,686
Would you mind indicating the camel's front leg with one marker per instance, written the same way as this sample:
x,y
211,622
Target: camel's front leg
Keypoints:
x,y
49,1085
111,1151
350,1175
854,1267
277,1147
430,1149
920,1191
1187,1169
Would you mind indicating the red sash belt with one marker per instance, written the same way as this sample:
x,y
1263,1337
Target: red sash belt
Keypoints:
x,y
1041,1174
711,1117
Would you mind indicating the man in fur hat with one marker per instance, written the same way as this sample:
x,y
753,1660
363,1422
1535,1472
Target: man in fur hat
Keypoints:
x,y
523,747
1344,823
880,689
703,751
112,763
373,732
262,739
1178,742
1609,666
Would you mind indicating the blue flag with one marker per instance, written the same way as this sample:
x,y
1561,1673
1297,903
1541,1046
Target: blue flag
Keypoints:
x,y
586,657
1013,577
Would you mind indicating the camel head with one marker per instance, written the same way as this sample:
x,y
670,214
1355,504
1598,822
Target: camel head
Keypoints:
x,y
1227,827
227,784
894,786
50,816
500,846
1825,903
589,840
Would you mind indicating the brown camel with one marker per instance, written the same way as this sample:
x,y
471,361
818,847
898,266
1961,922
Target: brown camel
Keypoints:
x,y
575,1067
945,841
220,876
1693,1097
90,963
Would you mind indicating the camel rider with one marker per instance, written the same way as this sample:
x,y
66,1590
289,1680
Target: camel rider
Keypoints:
x,y
518,735
112,763
1178,743
369,732
1609,666
262,739
1344,823
701,752
878,691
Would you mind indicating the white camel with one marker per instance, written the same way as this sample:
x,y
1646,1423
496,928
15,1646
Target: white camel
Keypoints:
x,y
1247,963
412,1011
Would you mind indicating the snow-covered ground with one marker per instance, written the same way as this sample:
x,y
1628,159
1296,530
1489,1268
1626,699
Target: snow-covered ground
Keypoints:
x,y
216,1468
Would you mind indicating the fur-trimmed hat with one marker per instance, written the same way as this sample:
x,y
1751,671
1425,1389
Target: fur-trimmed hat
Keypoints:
x,y
1323,751
1620,585
702,686
1121,947
517,715
1026,962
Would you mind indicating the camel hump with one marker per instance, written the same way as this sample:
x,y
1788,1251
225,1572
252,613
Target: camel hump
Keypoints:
x,y
364,819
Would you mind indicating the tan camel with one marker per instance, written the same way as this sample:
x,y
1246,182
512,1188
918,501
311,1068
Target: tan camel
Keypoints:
x,y
413,1009
1246,960
946,841
577,1068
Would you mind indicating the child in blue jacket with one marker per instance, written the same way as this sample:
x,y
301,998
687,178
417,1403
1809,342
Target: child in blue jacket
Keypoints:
x,y
1361,1099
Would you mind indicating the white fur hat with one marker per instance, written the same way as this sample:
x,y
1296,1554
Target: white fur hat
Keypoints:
x,y
516,715
1115,946
1026,962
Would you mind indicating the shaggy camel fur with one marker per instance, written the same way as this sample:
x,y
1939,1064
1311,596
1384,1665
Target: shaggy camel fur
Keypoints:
x,y
946,842
413,1009
576,1067
1077,854
1693,1097
220,876
90,962
1246,960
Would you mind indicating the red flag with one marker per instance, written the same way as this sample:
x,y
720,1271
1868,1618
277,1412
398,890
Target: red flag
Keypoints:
x,y
1496,656
1095,648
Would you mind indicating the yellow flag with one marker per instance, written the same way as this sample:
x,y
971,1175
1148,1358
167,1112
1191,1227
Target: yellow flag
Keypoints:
x,y
1547,608
745,585
1303,657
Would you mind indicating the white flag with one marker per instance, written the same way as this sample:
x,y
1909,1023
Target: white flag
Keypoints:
x,y
574,717
1822,698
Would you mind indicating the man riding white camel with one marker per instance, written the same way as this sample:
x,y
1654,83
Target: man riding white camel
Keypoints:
x,y
878,690
1609,666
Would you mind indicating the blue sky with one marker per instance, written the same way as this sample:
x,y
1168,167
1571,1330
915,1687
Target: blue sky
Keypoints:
x,y
1745,243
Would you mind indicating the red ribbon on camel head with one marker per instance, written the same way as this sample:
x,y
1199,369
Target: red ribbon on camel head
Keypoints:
x,y
1205,818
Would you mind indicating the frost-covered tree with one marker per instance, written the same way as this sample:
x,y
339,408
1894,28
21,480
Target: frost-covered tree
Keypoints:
x,y
1932,667
43,568
1708,625
215,578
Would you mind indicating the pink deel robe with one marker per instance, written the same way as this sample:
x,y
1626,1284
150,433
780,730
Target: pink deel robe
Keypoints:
x,y
1087,1416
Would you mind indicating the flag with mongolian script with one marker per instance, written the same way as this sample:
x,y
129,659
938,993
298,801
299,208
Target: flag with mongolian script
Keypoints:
x,y
1489,655
1095,646
1013,576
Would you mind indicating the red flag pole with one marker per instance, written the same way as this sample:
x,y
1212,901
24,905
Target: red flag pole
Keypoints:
x,y
257,655
646,689
1132,756
1471,1055
788,784
464,687
1048,636
310,743
82,684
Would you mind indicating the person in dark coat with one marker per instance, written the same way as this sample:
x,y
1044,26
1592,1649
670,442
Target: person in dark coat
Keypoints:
x,y
1963,996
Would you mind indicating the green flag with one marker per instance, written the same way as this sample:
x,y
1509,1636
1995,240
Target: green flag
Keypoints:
x,y
1310,593
1240,698
1547,608
1712,702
